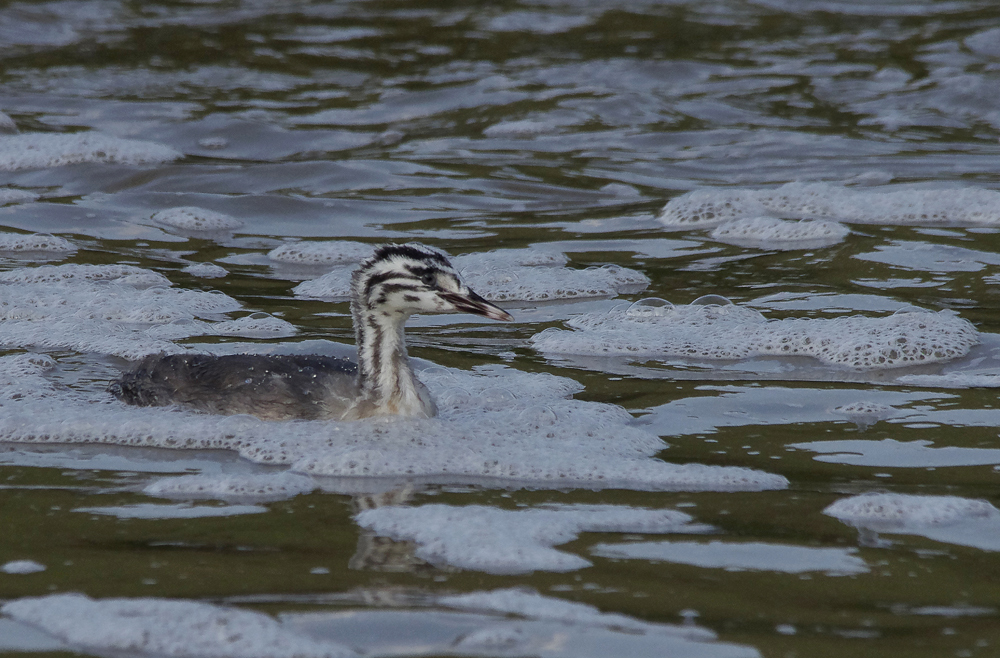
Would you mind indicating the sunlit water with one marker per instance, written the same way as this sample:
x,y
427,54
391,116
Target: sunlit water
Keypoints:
x,y
778,487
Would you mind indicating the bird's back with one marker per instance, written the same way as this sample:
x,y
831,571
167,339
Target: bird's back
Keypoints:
x,y
266,386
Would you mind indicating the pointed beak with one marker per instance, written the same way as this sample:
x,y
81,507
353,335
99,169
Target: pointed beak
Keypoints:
x,y
473,303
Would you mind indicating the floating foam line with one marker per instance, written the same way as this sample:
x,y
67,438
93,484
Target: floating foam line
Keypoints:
x,y
162,627
500,541
41,150
879,206
484,431
508,283
727,331
115,309
36,242
192,218
774,233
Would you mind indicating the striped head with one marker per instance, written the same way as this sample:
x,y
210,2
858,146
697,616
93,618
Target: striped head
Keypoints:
x,y
400,280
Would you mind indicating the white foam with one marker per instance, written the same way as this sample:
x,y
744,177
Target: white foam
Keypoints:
x,y
162,627
870,205
10,196
498,258
949,519
335,284
40,150
18,243
128,274
774,233
206,270
252,486
114,309
500,541
508,283
654,328
537,284
865,413
338,252
521,129
498,427
22,567
740,556
192,218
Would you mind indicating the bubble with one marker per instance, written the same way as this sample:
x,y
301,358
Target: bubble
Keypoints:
x,y
712,300
497,398
538,416
649,307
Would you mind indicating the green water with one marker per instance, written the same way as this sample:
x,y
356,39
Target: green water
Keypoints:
x,y
377,121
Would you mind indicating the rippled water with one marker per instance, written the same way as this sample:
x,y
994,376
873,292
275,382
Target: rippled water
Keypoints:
x,y
561,128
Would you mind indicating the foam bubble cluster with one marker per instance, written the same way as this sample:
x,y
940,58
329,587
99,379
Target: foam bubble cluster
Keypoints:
x,y
774,233
16,243
498,426
339,252
22,567
257,487
902,511
41,150
506,542
115,309
206,270
711,207
162,627
728,331
192,218
507,283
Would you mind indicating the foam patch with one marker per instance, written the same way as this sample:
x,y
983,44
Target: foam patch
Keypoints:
x,y
865,413
22,567
509,283
500,541
206,270
10,196
949,519
260,486
115,309
42,150
311,253
741,556
878,206
774,233
496,427
16,243
721,330
192,218
164,627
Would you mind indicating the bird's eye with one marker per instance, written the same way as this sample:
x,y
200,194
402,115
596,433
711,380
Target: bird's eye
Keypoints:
x,y
429,280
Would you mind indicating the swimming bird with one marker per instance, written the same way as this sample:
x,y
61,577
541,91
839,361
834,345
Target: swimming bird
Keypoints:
x,y
386,289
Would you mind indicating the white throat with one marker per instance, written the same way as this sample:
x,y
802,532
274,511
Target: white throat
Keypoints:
x,y
386,383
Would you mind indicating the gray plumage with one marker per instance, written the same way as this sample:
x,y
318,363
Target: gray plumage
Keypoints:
x,y
388,287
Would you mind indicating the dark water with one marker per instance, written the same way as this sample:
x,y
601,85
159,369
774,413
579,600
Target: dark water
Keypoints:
x,y
565,126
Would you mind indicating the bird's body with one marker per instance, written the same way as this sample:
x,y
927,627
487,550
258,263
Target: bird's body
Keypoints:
x,y
388,287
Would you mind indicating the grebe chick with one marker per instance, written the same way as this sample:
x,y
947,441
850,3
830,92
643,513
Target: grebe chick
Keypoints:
x,y
386,289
